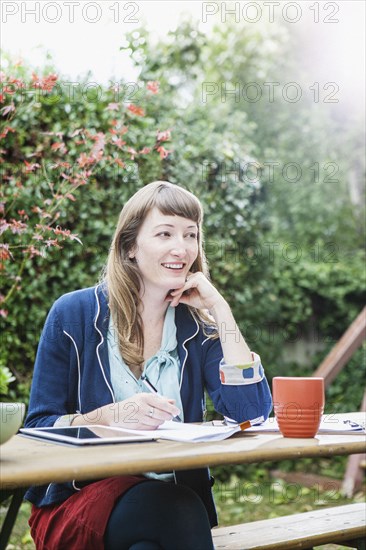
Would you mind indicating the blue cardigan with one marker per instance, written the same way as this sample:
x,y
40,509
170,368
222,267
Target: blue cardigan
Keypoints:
x,y
72,374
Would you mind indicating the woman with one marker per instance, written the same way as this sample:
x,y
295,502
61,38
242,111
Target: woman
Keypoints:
x,y
154,317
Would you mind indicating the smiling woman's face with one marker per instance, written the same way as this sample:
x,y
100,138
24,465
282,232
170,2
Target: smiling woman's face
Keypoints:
x,y
166,248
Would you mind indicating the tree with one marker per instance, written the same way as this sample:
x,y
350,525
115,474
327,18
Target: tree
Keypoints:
x,y
285,240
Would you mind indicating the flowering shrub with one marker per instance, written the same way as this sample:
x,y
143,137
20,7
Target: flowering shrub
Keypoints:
x,y
38,186
53,152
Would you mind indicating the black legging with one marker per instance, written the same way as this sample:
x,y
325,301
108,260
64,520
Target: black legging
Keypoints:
x,y
158,515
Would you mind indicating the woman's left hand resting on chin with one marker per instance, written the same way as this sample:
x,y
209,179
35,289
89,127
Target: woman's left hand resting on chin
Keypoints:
x,y
197,292
200,293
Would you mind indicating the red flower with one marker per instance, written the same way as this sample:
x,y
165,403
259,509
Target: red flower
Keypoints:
x,y
132,152
138,111
30,167
23,214
17,227
43,227
99,144
84,160
153,86
58,145
49,82
7,129
117,161
163,136
46,83
33,251
36,81
37,237
119,142
163,152
66,234
5,253
52,242
12,86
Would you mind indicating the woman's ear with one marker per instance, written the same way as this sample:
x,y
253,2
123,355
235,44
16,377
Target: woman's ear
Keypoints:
x,y
132,253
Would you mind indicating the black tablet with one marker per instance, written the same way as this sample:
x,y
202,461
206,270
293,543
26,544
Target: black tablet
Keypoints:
x,y
82,435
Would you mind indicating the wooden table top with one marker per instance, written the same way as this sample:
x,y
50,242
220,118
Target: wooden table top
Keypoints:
x,y
25,461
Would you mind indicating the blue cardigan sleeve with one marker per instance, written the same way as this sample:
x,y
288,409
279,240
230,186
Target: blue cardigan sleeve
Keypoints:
x,y
239,402
49,397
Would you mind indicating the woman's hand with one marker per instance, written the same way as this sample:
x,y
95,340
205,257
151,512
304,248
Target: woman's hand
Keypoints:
x,y
143,411
197,292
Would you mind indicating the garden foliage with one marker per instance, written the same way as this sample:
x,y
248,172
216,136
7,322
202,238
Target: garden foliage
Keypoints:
x,y
285,249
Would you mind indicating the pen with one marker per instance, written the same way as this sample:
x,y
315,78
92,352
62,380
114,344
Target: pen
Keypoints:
x,y
152,388
250,423
245,425
149,385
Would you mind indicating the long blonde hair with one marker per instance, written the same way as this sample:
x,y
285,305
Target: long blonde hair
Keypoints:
x,y
122,273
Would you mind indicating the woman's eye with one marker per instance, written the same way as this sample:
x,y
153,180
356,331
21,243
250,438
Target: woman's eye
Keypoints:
x,y
168,234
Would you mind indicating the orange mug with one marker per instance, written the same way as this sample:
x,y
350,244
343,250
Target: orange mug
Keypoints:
x,y
298,404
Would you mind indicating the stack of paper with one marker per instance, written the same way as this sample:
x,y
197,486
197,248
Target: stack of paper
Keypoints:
x,y
218,430
180,431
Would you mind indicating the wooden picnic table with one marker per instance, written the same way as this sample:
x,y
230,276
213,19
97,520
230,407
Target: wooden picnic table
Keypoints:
x,y
25,461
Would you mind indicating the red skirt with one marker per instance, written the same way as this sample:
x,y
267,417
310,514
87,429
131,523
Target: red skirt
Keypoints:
x,y
81,520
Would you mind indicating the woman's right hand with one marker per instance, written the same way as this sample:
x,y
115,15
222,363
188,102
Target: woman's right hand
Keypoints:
x,y
142,411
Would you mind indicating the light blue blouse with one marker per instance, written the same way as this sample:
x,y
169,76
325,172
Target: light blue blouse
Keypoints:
x,y
162,369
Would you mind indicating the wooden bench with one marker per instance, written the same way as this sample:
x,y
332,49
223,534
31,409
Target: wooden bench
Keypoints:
x,y
344,525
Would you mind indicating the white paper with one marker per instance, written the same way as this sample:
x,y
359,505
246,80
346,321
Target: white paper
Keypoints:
x,y
181,431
